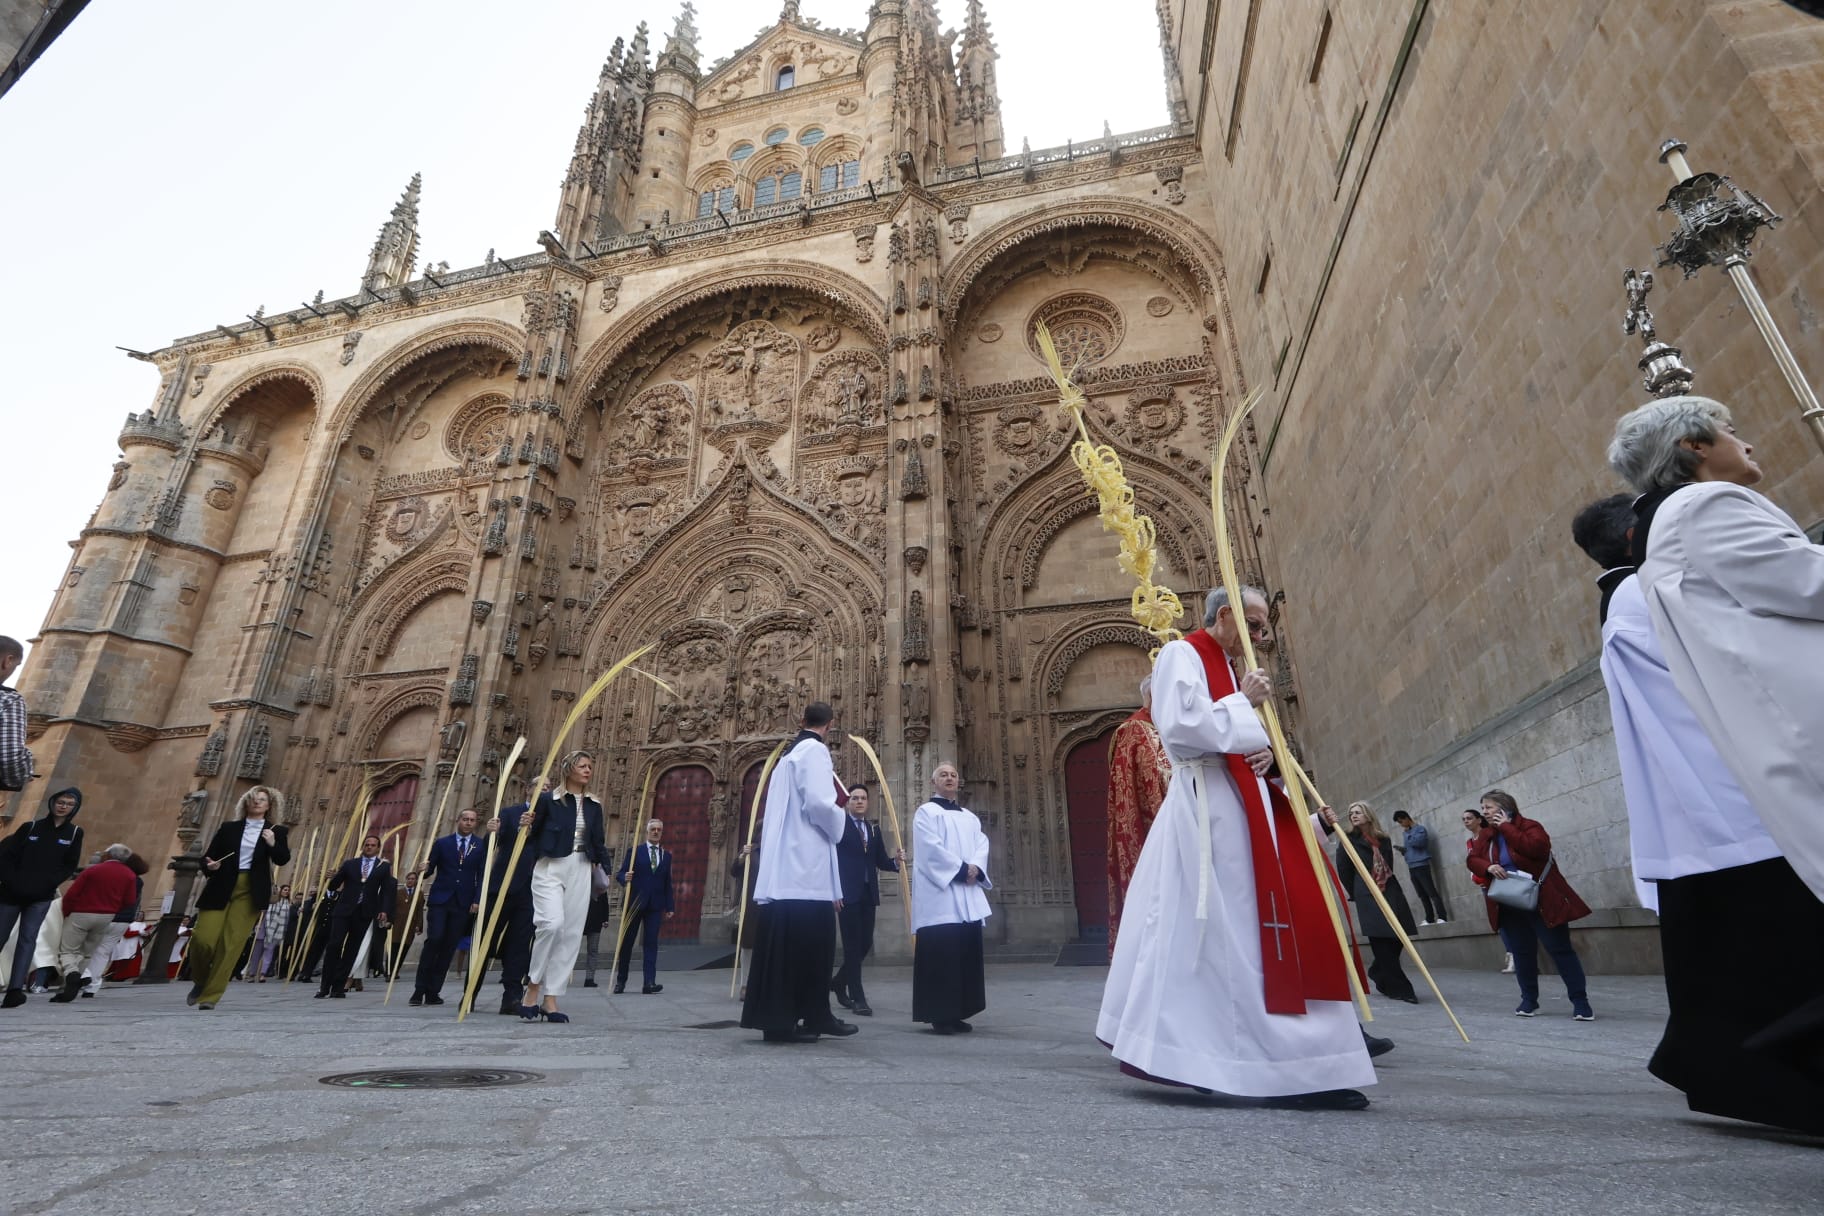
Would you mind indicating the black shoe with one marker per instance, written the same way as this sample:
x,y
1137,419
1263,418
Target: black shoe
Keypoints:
x,y
1376,1046
338,995
942,1028
1410,999
72,984
321,994
836,1028
431,998
842,996
590,984
649,989
620,986
961,1027
15,997
862,1010
788,1036
417,999
509,1006
1329,1099
196,992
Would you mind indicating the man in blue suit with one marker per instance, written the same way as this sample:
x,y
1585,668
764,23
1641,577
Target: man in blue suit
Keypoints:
x,y
649,869
454,871
861,855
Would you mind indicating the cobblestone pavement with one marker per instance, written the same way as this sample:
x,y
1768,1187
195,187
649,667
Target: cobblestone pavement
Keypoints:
x,y
132,1103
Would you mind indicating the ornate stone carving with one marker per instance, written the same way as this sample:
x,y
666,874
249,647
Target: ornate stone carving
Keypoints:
x,y
1159,306
915,556
864,243
209,762
655,424
450,738
253,760
1020,429
915,641
824,337
1172,178
221,495
1153,414
350,340
913,484
408,521
989,332
197,377
1085,328
843,387
540,645
750,381
480,609
611,291
119,477
847,105
462,688
957,216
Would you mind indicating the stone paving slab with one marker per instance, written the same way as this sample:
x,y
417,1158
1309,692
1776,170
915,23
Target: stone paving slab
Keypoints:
x,y
133,1103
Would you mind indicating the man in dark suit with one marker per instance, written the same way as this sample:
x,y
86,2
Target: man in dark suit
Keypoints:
x,y
454,871
364,890
860,855
512,942
648,868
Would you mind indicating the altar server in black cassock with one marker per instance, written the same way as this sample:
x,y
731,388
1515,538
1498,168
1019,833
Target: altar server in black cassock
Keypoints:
x,y
949,903
796,882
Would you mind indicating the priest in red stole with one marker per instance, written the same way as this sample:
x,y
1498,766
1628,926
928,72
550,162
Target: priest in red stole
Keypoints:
x,y
1229,977
1138,773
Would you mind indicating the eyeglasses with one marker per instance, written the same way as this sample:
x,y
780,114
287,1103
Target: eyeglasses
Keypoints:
x,y
1259,629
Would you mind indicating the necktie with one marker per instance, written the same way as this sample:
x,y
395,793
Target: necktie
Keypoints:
x,y
652,856
462,847
864,832
367,867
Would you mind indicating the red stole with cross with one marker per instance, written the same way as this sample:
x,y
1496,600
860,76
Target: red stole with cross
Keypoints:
x,y
1298,951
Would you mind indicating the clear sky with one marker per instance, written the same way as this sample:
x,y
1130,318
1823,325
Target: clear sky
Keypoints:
x,y
174,165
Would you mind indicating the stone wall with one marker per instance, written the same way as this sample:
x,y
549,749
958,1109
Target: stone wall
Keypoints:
x,y
1431,295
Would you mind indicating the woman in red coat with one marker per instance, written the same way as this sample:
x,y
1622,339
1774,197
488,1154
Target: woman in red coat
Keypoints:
x,y
1512,842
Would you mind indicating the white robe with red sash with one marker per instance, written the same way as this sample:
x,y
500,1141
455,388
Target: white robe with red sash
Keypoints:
x,y
1188,1000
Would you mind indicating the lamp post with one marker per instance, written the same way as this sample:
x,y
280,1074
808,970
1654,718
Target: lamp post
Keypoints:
x,y
1717,221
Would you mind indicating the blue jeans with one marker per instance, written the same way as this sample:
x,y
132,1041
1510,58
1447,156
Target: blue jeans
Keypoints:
x,y
30,920
1523,933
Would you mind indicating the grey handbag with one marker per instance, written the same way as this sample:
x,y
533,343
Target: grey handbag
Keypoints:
x,y
1517,892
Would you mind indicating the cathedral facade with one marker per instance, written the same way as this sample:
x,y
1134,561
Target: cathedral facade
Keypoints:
x,y
768,396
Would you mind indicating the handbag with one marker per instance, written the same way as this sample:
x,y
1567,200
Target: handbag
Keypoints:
x,y
1516,891
599,881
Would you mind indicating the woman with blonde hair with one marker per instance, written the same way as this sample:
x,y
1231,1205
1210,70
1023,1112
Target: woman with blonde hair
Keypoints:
x,y
237,888
1370,843
568,838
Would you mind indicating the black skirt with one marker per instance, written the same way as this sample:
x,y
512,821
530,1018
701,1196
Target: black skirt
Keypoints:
x,y
794,952
947,981
1743,947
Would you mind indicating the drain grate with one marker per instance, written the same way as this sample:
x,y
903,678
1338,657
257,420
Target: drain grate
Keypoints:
x,y
432,1078
713,1026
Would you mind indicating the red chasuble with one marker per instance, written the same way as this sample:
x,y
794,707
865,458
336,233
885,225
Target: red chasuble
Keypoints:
x,y
1298,948
1139,772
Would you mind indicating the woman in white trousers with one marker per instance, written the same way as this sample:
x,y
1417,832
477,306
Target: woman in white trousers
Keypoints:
x,y
568,840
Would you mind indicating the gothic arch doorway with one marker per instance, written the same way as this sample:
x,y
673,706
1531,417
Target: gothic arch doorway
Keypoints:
x,y
389,809
681,802
1086,793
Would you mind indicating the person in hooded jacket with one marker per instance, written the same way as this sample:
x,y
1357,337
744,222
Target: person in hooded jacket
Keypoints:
x,y
34,862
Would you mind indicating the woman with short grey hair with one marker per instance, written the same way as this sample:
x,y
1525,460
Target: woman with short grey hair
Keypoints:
x,y
1736,592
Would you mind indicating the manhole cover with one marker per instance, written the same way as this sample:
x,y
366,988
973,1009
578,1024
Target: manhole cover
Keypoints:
x,y
432,1078
713,1026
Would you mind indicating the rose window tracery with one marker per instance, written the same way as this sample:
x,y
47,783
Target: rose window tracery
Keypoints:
x,y
1085,328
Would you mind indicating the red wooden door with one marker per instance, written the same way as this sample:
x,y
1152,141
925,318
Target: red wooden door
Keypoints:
x,y
389,808
681,803
1086,793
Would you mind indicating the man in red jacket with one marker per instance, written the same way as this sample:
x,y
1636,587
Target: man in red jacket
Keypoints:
x,y
89,908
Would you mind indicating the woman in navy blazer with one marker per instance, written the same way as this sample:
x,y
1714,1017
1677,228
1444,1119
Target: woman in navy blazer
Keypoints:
x,y
568,839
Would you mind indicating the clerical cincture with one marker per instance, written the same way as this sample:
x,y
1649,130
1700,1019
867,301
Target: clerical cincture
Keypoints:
x,y
768,392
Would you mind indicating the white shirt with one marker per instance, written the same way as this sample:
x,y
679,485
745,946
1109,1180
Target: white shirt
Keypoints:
x,y
803,824
943,842
1736,591
250,836
1686,814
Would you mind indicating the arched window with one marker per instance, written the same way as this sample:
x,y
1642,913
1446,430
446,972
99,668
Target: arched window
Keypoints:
x,y
838,175
780,186
786,79
716,198
776,136
811,137
741,151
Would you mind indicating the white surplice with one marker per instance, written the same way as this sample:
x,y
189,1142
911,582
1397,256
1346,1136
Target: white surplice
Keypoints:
x,y
803,823
1686,814
1736,591
943,842
1186,1001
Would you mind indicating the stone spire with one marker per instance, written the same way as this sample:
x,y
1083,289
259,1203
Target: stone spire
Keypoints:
x,y
680,52
395,250
607,150
976,127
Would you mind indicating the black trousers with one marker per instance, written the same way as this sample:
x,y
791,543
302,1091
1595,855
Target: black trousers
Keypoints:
x,y
512,944
1743,948
443,928
345,934
856,922
1384,968
789,984
646,921
1427,887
